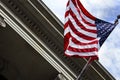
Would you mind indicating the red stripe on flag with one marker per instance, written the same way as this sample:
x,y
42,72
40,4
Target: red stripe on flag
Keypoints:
x,y
81,25
66,40
67,13
66,24
68,3
83,44
82,50
85,11
74,2
86,22
79,33
79,11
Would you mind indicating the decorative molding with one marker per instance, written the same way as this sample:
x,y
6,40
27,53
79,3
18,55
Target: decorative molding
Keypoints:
x,y
54,61
2,22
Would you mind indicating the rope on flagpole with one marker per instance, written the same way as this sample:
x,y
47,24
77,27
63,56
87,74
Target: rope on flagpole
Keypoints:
x,y
84,68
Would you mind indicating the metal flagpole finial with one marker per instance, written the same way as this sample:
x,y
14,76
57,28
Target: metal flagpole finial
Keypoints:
x,y
116,21
118,17
2,22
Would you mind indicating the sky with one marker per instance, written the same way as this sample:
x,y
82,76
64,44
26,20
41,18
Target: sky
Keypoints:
x,y
106,10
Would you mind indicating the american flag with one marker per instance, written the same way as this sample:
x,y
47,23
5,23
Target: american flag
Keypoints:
x,y
83,33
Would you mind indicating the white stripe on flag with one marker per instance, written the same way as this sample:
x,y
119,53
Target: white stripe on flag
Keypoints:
x,y
94,35
73,8
72,44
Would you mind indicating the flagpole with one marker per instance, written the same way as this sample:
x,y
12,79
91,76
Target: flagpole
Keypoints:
x,y
84,68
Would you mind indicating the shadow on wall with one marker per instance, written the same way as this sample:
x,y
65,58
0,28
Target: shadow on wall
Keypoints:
x,y
2,77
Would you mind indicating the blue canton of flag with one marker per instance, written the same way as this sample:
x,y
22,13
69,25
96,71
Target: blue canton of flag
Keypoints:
x,y
103,30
